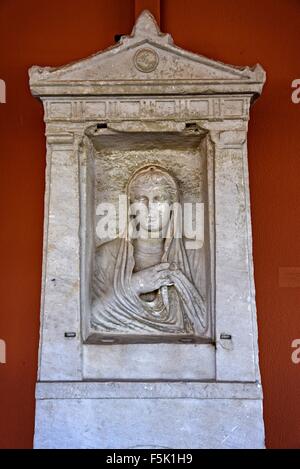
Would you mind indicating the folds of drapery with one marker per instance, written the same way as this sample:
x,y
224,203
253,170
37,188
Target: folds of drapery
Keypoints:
x,y
117,308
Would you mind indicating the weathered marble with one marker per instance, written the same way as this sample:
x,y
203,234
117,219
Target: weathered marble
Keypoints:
x,y
148,390
147,102
150,423
149,362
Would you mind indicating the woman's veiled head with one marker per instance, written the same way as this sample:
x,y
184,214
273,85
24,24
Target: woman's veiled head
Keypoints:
x,y
153,191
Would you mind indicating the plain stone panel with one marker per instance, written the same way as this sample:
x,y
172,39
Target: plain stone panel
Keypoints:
x,y
231,227
149,362
149,423
61,356
234,315
235,357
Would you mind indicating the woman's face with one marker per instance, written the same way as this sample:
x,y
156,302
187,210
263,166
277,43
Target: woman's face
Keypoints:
x,y
151,196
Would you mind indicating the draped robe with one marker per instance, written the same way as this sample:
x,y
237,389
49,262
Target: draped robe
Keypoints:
x,y
177,309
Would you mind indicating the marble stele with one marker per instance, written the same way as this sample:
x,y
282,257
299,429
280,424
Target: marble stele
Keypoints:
x,y
148,329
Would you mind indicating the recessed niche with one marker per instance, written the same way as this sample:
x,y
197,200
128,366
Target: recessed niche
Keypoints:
x,y
110,160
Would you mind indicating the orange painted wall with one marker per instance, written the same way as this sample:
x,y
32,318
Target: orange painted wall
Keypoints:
x,y
234,31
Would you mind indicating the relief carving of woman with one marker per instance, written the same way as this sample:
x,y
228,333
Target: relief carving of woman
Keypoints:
x,y
147,282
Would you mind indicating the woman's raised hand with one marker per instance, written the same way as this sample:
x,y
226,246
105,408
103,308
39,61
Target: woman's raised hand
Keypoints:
x,y
152,278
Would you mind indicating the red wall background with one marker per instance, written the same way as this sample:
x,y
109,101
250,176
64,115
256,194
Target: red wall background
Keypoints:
x,y
233,31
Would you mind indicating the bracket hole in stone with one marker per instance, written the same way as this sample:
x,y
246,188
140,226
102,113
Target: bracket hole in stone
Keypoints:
x,y
102,125
108,341
70,335
191,126
186,341
224,336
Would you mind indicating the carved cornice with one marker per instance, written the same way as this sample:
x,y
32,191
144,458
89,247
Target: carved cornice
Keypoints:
x,y
149,64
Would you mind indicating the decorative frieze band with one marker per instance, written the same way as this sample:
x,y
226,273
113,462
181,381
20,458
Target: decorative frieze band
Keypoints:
x,y
210,108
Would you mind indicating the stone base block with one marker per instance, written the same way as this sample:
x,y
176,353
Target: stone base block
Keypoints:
x,y
149,415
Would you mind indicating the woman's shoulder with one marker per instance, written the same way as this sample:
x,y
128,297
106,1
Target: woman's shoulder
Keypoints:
x,y
108,249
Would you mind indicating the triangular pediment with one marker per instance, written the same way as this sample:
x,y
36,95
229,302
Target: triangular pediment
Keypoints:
x,y
146,56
